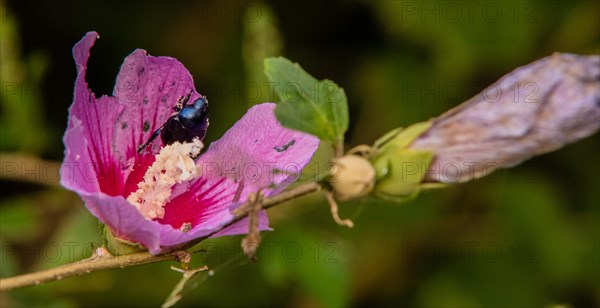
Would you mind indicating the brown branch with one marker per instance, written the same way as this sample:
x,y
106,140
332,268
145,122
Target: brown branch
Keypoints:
x,y
244,209
97,262
296,192
26,168
101,260
252,240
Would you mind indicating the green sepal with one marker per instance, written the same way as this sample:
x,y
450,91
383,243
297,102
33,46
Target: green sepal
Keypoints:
x,y
387,137
402,137
400,173
117,246
399,169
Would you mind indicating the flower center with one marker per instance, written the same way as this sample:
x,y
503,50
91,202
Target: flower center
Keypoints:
x,y
173,165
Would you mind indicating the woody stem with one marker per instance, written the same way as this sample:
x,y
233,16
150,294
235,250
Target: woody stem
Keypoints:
x,y
98,262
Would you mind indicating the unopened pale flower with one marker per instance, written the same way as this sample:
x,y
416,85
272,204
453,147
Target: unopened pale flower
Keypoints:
x,y
537,108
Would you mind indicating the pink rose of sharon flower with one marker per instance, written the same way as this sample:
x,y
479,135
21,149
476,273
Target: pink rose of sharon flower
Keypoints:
x,y
177,200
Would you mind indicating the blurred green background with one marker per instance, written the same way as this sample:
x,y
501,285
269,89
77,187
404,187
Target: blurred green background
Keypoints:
x,y
524,237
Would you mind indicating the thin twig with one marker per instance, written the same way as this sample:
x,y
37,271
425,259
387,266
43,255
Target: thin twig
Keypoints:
x,y
252,240
334,211
244,209
339,148
92,264
177,292
99,262
26,168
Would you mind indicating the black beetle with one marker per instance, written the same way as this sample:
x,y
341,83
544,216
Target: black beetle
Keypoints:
x,y
185,124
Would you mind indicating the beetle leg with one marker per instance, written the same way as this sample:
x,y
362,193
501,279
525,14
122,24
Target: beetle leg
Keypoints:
x,y
154,135
182,101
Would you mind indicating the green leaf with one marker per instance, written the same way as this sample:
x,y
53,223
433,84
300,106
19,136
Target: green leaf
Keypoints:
x,y
19,220
313,262
306,104
21,94
8,266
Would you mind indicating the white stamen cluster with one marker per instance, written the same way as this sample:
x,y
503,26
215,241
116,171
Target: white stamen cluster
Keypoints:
x,y
173,164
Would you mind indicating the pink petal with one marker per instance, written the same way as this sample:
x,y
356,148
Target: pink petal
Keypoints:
x,y
148,87
89,163
241,227
259,152
101,163
250,142
124,220
225,182
203,199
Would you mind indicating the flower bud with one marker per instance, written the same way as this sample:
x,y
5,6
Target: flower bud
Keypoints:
x,y
535,109
353,177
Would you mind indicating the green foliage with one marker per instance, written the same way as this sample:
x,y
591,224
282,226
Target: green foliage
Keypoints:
x,y
21,105
316,264
74,240
8,266
318,107
18,220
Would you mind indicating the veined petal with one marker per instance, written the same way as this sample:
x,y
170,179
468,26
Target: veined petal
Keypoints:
x,y
124,220
259,153
111,128
149,87
203,199
89,164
